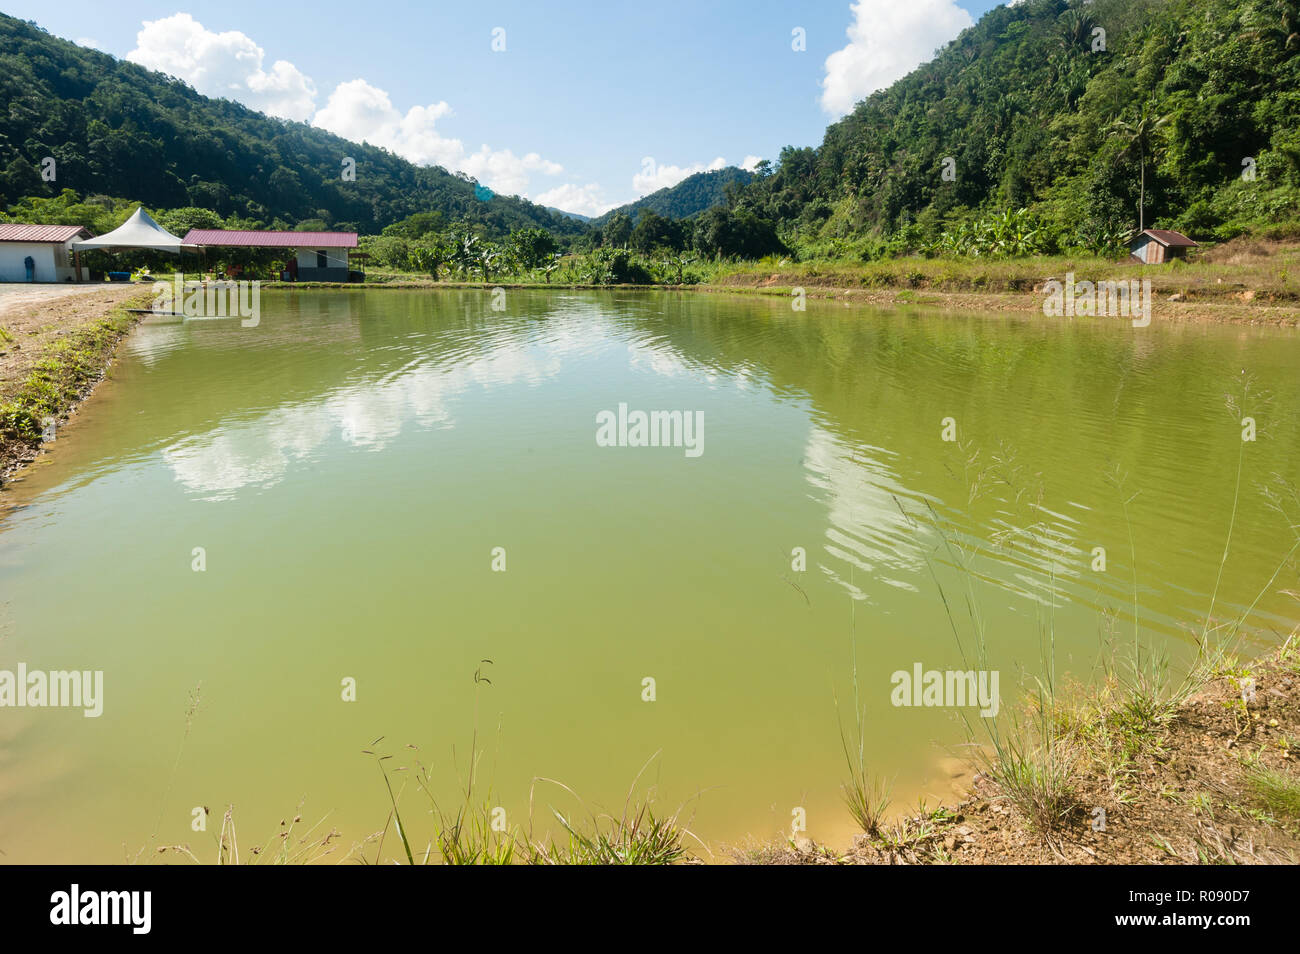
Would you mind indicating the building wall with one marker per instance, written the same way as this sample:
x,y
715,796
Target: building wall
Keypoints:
x,y
64,259
1148,250
322,274
44,254
334,257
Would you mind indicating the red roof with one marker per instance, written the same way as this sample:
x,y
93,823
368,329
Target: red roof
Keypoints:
x,y
265,239
14,232
1168,237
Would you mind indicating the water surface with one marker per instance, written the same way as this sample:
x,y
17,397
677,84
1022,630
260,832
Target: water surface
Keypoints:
x,y
349,466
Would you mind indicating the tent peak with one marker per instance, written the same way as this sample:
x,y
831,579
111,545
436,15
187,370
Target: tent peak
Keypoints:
x,y
138,231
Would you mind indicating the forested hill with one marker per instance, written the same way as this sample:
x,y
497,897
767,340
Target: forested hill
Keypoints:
x,y
694,194
1059,108
1037,129
117,129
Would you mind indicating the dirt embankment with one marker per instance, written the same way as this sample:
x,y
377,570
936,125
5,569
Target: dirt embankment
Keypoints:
x,y
55,343
1217,782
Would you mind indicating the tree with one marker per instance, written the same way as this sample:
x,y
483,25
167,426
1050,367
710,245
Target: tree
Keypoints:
x,y
617,230
430,254
654,231
20,178
531,247
721,232
1139,133
417,225
180,221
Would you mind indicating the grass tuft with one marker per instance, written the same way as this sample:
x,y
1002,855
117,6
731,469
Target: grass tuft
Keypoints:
x,y
1278,792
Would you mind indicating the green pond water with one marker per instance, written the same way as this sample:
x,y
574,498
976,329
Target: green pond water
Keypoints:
x,y
350,465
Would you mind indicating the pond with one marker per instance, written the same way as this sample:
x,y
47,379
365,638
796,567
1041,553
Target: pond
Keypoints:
x,y
392,515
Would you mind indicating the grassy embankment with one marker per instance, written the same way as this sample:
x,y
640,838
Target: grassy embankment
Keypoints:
x,y
1243,280
1202,772
73,352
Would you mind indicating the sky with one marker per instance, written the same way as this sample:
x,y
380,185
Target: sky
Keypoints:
x,y
578,104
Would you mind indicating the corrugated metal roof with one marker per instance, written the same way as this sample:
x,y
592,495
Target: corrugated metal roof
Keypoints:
x,y
265,239
15,232
1170,237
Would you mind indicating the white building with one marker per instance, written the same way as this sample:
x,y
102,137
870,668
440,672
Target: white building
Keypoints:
x,y
313,261
40,253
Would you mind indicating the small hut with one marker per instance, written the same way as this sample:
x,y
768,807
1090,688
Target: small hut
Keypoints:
x,y
1157,246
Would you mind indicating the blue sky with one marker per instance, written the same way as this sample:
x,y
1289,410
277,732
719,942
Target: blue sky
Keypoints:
x,y
582,105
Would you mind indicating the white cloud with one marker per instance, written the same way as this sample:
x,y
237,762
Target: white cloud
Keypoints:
x,y
230,65
88,42
654,177
584,199
505,172
364,113
751,162
223,64
887,40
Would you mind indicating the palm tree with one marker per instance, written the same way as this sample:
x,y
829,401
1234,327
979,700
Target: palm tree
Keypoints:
x,y
1075,27
1140,132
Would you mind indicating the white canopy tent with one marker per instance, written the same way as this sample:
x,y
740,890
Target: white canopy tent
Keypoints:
x,y
139,231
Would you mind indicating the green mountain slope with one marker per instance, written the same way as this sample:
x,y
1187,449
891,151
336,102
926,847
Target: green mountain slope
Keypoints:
x,y
117,129
1180,102
572,215
692,195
